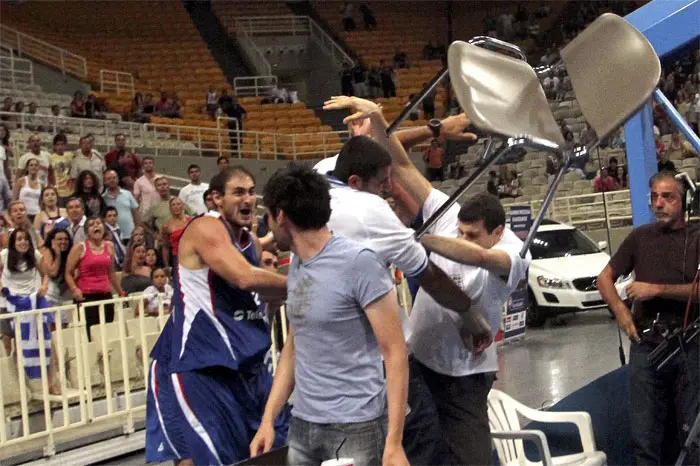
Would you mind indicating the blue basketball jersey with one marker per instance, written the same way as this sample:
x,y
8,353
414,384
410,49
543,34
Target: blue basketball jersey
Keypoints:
x,y
214,323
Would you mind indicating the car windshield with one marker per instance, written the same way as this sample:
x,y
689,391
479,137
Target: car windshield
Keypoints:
x,y
561,243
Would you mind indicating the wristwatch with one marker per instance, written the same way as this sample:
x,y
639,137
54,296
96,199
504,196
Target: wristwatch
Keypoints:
x,y
435,126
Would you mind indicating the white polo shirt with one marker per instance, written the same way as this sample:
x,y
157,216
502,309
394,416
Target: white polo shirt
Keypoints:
x,y
435,339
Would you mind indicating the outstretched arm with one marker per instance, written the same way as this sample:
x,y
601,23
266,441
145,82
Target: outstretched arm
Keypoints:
x,y
466,252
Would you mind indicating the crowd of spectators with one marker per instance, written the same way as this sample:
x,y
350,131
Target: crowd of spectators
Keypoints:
x,y
71,220
369,83
168,106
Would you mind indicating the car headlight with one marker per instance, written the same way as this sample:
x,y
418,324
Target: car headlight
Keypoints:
x,y
623,278
546,282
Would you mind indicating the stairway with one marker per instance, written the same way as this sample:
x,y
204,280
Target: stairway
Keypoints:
x,y
223,48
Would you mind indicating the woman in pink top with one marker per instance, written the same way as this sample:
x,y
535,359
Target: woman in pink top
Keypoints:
x,y
90,272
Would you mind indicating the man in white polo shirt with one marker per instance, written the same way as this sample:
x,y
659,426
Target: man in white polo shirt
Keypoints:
x,y
488,268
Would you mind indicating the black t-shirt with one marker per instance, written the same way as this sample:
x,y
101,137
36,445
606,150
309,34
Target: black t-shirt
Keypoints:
x,y
235,111
658,255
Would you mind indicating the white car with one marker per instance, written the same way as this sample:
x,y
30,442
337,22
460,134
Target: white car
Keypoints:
x,y
563,273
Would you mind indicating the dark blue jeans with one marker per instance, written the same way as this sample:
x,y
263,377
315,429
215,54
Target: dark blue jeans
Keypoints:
x,y
311,443
663,404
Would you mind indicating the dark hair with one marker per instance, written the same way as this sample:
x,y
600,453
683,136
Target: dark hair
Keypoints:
x,y
94,192
492,173
109,209
64,254
6,140
14,258
90,219
302,194
74,198
119,134
612,159
155,269
220,158
193,165
206,193
147,157
83,138
60,138
41,196
484,207
218,183
666,174
361,156
159,257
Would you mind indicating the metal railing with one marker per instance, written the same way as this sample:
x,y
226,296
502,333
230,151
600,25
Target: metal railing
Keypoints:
x,y
245,86
586,210
119,82
165,139
16,71
253,53
86,375
24,44
287,25
326,42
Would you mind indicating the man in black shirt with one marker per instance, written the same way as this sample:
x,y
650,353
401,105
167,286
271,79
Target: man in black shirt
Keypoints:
x,y
664,257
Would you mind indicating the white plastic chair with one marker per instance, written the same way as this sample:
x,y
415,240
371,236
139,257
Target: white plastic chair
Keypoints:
x,y
508,437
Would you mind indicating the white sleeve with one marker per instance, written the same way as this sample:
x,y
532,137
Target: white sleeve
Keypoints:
x,y
447,224
518,265
392,241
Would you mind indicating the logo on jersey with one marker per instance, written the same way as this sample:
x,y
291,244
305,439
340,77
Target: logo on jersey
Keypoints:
x,y
243,314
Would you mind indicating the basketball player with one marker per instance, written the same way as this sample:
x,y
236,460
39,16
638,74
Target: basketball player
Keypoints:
x,y
489,269
218,338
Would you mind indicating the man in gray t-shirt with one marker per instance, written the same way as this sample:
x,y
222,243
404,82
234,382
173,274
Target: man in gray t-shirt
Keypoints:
x,y
344,316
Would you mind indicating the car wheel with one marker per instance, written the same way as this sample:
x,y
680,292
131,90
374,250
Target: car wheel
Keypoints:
x,y
535,315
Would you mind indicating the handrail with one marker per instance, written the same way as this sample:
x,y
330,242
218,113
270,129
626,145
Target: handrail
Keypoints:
x,y
261,85
329,44
11,72
255,55
273,25
120,82
24,44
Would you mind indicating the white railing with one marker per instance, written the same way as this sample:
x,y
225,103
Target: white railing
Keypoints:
x,y
254,85
119,82
24,44
253,53
165,139
287,25
16,71
326,42
100,377
586,210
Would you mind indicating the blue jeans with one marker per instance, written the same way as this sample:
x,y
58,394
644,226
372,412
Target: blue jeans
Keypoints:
x,y
311,444
663,404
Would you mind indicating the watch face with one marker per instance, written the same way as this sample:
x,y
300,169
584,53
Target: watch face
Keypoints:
x,y
435,123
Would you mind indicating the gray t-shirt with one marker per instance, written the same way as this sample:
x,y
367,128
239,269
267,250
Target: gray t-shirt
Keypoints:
x,y
339,375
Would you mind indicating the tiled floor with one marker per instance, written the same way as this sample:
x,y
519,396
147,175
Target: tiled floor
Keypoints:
x,y
545,366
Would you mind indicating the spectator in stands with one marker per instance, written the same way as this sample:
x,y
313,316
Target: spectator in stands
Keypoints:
x,y
137,275
569,142
88,160
676,144
35,152
588,135
235,111
5,153
172,230
138,113
124,162
19,108
144,187
57,246
75,222
18,219
34,122
348,12
617,141
374,81
400,59
209,200
192,193
93,260
612,166
88,191
5,195
152,258
433,157
492,183
50,213
490,24
148,107
159,214
386,75
211,102
368,17
359,79
61,164
505,23
159,291
20,273
7,106
28,189
604,182
164,105
77,106
128,214
225,100
513,189
114,234
175,110
346,80
621,178
429,104
222,163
